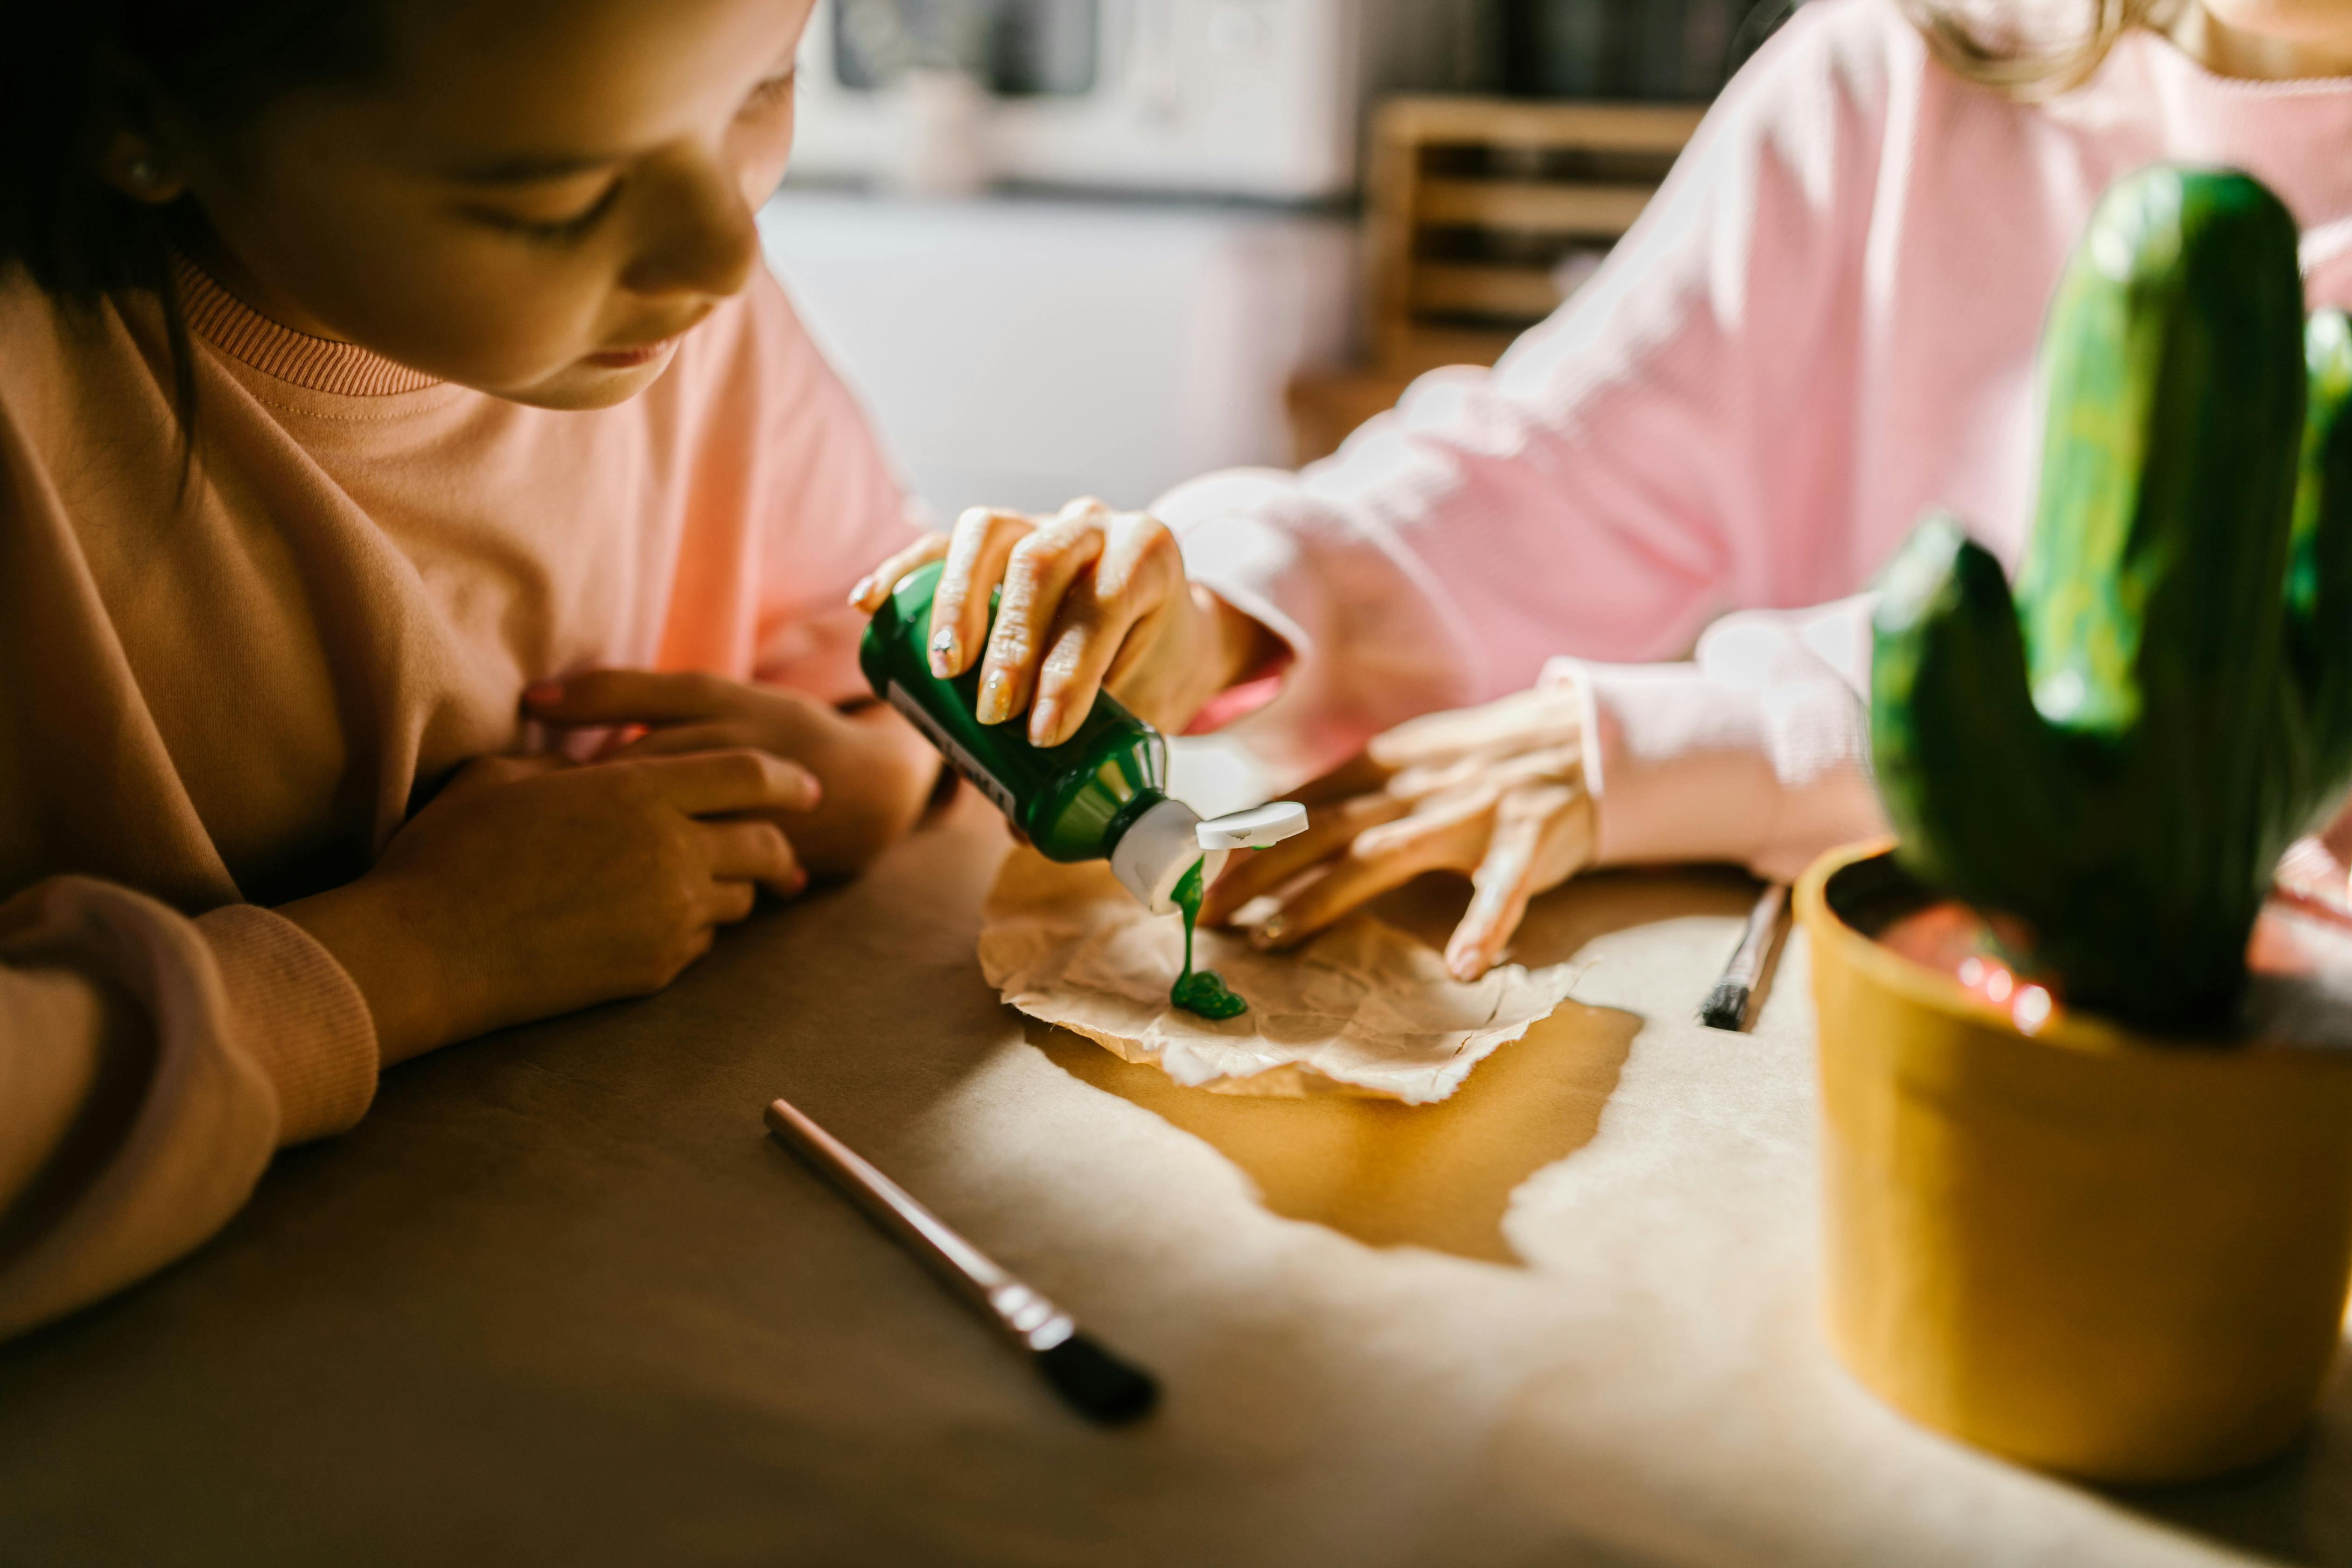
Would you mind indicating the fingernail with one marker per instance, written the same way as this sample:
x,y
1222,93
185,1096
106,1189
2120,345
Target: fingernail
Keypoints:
x,y
1266,935
1045,722
947,654
857,594
544,693
1463,967
995,698
797,886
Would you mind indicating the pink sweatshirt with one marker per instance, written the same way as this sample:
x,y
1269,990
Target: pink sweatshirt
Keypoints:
x,y
208,709
1824,325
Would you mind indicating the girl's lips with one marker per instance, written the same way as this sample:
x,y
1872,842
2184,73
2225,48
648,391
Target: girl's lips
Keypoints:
x,y
625,359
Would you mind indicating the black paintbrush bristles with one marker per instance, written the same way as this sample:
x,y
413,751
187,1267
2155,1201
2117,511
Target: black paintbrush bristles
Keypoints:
x,y
1096,1384
1726,1006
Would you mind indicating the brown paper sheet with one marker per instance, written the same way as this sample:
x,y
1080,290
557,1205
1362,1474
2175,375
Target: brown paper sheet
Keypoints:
x,y
1363,1010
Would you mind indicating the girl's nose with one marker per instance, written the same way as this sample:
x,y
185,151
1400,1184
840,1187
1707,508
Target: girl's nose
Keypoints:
x,y
708,243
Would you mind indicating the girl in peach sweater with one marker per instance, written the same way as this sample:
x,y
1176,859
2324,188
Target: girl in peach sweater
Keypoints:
x,y
384,387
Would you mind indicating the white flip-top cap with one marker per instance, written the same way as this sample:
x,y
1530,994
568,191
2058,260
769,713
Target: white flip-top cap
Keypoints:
x,y
1260,828
1152,855
1155,851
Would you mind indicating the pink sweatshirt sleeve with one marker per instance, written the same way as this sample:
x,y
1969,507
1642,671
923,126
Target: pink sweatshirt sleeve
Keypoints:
x,y
150,1066
1673,443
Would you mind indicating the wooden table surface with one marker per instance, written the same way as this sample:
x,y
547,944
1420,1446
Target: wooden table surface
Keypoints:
x,y
559,1300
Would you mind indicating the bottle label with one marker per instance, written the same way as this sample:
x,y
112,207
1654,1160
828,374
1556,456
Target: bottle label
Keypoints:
x,y
966,766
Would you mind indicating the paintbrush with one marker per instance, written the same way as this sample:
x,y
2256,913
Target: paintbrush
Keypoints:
x,y
1728,1005
1095,1383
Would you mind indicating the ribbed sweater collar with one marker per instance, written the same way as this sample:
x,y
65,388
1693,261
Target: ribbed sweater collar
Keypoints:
x,y
250,338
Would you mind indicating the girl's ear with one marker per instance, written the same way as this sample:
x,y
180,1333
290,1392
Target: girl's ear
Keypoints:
x,y
135,164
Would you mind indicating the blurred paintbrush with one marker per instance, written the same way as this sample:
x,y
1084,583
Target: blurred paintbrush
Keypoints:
x,y
1734,997
1095,1383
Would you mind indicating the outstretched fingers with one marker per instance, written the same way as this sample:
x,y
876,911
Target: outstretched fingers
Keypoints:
x,y
1557,764
1358,775
1381,859
1541,836
1541,718
1330,830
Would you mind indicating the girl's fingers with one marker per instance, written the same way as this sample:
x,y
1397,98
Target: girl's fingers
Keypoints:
x,y
1437,739
680,739
595,698
1461,820
1567,841
731,903
1330,829
1495,770
1542,836
1527,720
1358,775
723,784
1356,879
1138,569
878,584
489,773
1038,579
1425,780
753,854
617,739
982,544
1501,886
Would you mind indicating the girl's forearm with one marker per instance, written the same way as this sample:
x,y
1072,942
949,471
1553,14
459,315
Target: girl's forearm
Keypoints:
x,y
378,949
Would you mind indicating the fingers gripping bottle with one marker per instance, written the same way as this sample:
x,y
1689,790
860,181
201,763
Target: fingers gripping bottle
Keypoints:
x,y
1100,795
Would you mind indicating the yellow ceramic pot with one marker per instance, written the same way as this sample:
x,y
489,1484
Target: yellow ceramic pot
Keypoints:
x,y
2086,1249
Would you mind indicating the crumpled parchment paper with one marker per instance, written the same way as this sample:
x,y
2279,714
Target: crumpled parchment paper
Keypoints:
x,y
1364,1009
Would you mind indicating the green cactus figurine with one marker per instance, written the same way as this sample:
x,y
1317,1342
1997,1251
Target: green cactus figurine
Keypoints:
x,y
2118,757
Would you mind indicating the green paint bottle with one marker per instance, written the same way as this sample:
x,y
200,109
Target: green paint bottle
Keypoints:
x,y
1100,795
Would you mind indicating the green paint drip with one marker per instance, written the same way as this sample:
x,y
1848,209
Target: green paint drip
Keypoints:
x,y
1203,995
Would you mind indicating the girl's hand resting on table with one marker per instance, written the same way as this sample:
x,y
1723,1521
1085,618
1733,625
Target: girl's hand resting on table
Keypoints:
x,y
876,772
1093,598
535,886
1496,793
532,887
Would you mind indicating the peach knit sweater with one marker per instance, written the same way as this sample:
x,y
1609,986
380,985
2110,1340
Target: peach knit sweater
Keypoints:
x,y
211,706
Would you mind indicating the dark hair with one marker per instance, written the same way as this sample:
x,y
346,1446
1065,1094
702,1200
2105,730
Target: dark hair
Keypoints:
x,y
73,71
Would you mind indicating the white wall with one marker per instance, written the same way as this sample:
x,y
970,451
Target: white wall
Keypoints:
x,y
1019,351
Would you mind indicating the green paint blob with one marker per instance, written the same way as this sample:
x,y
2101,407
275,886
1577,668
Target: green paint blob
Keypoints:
x,y
1203,995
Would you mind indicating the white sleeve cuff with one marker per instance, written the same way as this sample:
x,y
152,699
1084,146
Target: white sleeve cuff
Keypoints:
x,y
1687,764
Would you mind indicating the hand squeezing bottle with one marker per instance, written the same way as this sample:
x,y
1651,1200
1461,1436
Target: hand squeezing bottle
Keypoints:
x,y
1099,795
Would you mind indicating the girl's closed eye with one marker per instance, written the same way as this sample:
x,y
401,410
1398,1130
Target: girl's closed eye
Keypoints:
x,y
563,230
766,98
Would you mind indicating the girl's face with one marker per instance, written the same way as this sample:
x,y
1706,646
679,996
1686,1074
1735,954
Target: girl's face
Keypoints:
x,y
536,200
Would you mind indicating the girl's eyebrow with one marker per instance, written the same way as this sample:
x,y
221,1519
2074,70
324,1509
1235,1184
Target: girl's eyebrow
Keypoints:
x,y
525,168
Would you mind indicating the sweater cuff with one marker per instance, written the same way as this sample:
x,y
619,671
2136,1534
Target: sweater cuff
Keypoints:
x,y
1684,766
299,1016
1237,558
